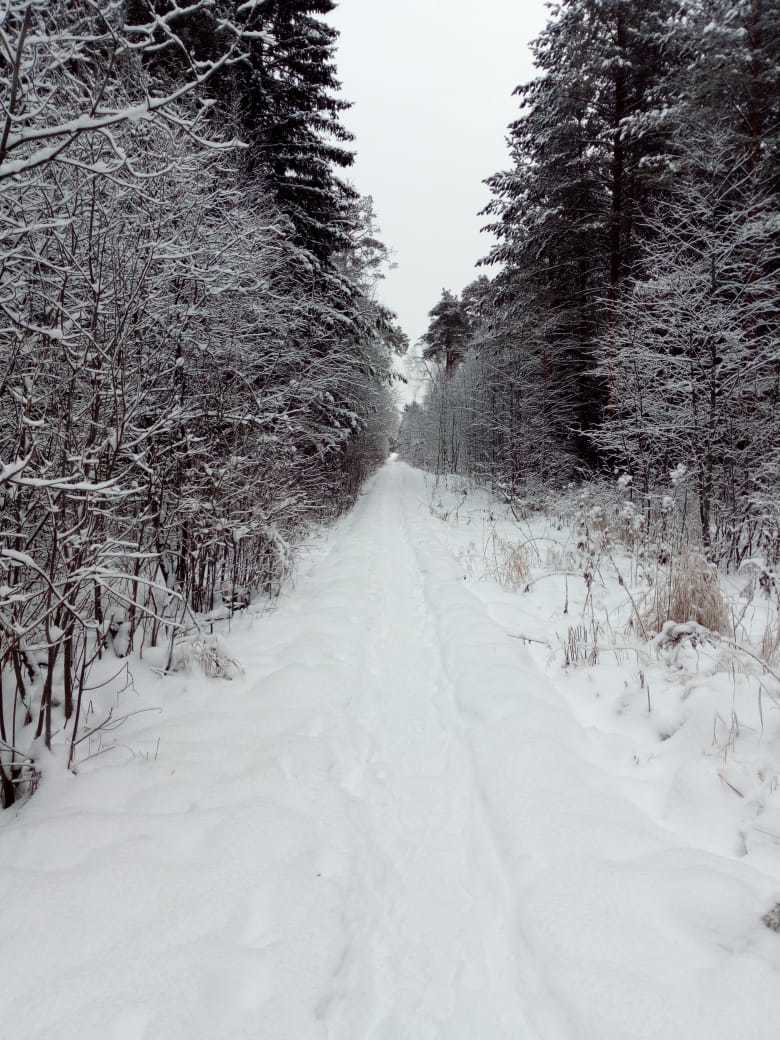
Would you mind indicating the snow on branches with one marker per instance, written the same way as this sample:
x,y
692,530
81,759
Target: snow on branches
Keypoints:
x,y
183,385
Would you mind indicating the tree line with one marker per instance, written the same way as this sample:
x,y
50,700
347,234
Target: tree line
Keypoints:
x,y
631,325
193,362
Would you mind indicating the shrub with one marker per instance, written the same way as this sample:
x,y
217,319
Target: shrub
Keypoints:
x,y
691,592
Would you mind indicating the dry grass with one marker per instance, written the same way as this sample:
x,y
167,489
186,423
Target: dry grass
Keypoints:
x,y
507,562
689,592
581,645
770,641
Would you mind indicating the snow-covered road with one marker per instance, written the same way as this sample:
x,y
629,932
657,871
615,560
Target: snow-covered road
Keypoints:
x,y
392,828
430,950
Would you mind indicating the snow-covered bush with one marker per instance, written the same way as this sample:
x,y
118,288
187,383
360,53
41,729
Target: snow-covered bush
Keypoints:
x,y
208,653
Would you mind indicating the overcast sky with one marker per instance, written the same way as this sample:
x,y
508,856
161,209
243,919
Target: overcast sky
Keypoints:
x,y
431,83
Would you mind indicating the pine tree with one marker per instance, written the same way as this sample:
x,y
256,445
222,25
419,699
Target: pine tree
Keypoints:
x,y
447,335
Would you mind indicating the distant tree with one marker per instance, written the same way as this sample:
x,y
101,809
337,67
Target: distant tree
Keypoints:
x,y
447,335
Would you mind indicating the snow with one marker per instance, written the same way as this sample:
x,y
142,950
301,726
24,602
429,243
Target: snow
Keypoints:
x,y
398,823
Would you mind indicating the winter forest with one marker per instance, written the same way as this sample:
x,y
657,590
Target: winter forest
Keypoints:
x,y
631,322
362,685
194,362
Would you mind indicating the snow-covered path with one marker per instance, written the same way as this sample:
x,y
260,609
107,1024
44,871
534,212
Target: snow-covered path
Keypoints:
x,y
391,829
430,853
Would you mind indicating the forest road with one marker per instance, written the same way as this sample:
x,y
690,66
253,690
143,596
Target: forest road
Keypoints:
x,y
390,826
432,944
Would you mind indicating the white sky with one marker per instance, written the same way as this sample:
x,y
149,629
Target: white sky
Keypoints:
x,y
431,83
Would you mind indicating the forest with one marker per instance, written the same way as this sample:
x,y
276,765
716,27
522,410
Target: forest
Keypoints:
x,y
194,364
629,330
376,672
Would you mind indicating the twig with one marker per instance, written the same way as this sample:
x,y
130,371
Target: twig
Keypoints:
x,y
16,751
528,639
550,574
628,593
757,659
110,719
729,784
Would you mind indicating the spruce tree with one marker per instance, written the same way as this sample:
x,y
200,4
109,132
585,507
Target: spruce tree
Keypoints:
x,y
590,153
282,100
732,78
290,112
